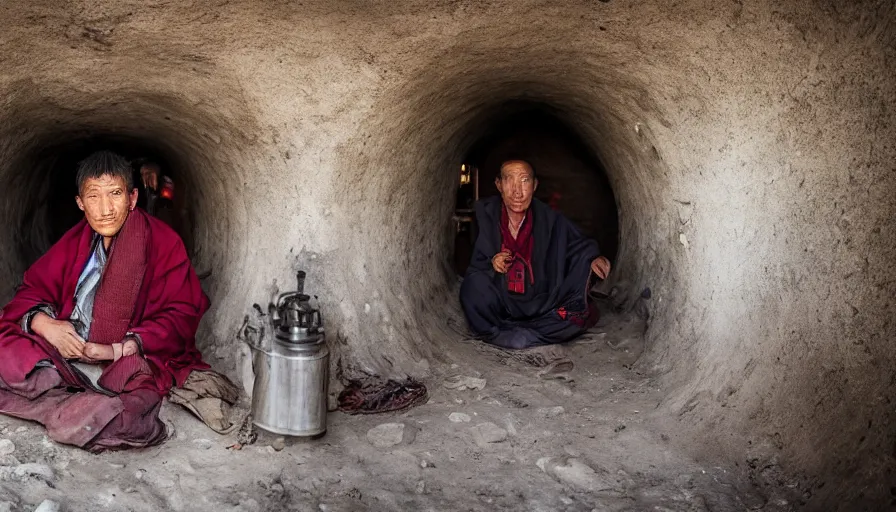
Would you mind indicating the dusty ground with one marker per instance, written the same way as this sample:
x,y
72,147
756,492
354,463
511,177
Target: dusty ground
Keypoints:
x,y
749,147
595,436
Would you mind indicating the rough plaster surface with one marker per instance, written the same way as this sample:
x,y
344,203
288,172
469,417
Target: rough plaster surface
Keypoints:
x,y
750,146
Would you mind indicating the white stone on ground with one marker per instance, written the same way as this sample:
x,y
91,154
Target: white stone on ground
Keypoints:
x,y
48,506
203,443
462,383
575,473
34,469
459,417
551,412
6,447
386,435
486,433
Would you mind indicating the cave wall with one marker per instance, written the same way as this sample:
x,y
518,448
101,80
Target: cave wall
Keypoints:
x,y
749,146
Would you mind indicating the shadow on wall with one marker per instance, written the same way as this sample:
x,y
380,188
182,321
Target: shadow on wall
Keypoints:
x,y
570,178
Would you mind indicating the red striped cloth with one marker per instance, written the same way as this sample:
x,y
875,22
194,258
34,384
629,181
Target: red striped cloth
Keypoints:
x,y
520,249
116,297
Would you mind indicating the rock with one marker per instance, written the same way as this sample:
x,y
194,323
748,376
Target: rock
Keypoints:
x,y
410,434
48,506
557,369
510,423
33,469
551,412
420,488
575,473
21,429
7,506
9,460
462,383
386,435
6,447
279,444
205,444
486,433
572,451
459,417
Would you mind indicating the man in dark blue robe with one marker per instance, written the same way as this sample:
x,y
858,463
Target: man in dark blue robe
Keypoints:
x,y
528,280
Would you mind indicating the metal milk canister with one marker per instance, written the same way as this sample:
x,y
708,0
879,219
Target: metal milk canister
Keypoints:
x,y
292,370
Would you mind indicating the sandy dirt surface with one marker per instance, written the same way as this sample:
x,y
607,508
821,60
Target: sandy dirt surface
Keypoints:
x,y
576,441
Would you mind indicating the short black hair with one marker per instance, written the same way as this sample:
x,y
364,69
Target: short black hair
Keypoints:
x,y
104,163
526,161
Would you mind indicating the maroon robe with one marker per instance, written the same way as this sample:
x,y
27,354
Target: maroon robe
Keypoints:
x,y
168,304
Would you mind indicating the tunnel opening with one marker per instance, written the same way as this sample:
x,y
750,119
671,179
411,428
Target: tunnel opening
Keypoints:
x,y
751,198
49,171
571,179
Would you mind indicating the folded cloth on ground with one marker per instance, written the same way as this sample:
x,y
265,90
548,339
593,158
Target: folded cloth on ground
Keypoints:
x,y
208,395
373,395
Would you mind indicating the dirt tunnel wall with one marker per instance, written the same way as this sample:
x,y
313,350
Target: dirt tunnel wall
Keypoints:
x,y
749,147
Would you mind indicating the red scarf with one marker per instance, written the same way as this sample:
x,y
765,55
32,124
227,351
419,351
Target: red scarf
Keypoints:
x,y
116,296
520,249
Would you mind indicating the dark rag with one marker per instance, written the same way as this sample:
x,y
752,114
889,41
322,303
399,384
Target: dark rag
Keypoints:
x,y
372,395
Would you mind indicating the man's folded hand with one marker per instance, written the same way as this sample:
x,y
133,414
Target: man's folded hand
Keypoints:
x,y
500,261
59,333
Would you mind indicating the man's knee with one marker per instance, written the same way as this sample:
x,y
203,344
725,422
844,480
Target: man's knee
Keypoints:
x,y
471,286
479,289
37,382
480,303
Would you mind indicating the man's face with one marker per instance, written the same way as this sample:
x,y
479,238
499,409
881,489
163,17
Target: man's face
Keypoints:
x,y
106,202
516,186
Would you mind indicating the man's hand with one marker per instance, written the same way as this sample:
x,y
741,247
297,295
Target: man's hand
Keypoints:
x,y
95,352
129,347
59,333
113,352
601,267
500,261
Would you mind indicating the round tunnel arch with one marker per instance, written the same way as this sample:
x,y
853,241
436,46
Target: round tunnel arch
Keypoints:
x,y
571,179
52,168
198,146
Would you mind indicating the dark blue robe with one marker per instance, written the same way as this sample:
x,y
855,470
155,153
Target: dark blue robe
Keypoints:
x,y
554,308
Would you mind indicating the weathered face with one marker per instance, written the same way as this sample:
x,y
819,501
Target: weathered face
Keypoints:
x,y
106,202
516,185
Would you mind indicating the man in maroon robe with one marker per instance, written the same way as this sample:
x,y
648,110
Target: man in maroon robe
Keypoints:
x,y
103,324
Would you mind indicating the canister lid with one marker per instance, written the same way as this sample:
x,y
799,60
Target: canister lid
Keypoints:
x,y
298,338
